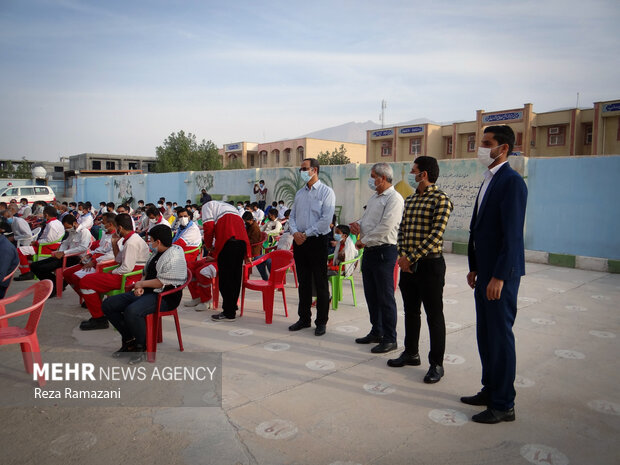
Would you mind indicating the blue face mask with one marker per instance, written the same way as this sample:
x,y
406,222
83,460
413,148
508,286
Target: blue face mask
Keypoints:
x,y
305,176
412,181
152,248
9,220
337,237
371,184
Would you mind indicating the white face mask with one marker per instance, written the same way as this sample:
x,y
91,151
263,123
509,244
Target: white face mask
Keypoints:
x,y
371,184
153,220
184,221
484,156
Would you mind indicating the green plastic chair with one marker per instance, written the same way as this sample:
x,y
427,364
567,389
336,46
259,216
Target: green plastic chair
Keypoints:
x,y
39,256
336,281
123,280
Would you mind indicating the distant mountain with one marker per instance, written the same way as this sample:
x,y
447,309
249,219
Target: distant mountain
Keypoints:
x,y
356,132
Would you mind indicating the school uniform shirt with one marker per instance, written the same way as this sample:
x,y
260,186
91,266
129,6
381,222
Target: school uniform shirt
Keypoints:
x,y
272,227
189,236
221,222
350,252
161,220
20,228
76,242
85,221
134,252
104,250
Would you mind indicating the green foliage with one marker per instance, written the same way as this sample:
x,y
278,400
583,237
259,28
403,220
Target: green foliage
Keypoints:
x,y
335,157
20,170
287,186
236,164
181,152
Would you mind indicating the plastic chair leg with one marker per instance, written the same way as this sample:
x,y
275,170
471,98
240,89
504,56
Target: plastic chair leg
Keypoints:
x,y
353,292
284,299
178,326
242,299
59,281
268,295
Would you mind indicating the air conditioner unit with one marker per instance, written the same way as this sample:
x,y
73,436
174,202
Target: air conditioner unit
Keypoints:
x,y
554,130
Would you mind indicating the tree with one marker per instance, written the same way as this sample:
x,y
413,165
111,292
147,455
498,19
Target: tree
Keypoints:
x,y
181,152
236,164
336,157
23,170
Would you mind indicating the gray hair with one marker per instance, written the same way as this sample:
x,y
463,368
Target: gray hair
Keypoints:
x,y
383,169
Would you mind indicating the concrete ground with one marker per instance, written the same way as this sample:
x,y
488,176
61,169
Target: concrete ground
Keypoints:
x,y
293,398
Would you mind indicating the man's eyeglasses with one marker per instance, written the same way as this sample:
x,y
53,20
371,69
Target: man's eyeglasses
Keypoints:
x,y
303,168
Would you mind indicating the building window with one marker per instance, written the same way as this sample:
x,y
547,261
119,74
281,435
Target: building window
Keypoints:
x,y
448,145
150,167
533,140
58,169
251,159
133,165
300,154
415,146
276,154
519,139
262,158
471,143
110,165
556,135
386,149
287,155
96,164
618,134
587,134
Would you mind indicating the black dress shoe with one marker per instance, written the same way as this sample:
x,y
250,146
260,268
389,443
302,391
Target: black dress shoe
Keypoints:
x,y
320,330
482,398
384,347
222,317
25,277
94,323
369,339
126,349
491,416
139,355
404,359
299,325
434,374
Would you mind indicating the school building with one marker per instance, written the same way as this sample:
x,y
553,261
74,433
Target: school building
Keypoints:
x,y
575,131
286,152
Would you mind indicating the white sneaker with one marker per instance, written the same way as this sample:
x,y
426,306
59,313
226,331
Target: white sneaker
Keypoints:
x,y
193,302
203,306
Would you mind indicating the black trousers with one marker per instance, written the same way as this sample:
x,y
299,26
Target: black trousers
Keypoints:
x,y
310,262
425,286
230,270
45,269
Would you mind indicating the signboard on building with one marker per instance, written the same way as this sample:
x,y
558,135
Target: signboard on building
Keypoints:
x,y
504,117
611,107
232,147
411,130
382,133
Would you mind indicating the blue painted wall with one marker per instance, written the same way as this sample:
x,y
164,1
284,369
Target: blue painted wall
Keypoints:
x,y
574,206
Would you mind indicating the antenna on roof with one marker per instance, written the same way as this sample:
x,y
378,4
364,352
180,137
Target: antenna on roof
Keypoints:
x,y
382,115
577,106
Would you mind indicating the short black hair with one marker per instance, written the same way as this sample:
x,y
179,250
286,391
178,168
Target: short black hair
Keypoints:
x,y
50,211
153,211
287,213
503,135
161,232
272,211
102,204
314,163
110,204
88,205
73,204
22,199
140,201
123,220
247,216
109,217
69,219
183,209
169,204
262,180
274,204
344,229
430,165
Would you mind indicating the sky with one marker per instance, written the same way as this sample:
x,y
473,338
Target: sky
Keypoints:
x,y
119,76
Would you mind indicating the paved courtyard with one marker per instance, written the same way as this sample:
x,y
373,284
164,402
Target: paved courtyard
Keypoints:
x,y
293,398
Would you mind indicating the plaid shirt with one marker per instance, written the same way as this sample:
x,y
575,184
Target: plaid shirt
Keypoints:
x,y
424,221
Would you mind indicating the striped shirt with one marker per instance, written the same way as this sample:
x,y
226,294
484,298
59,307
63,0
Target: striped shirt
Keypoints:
x,y
424,221
171,267
313,210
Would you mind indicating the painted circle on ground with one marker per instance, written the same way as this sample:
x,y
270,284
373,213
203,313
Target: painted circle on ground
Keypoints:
x,y
320,365
605,298
276,429
603,334
576,308
540,454
520,381
277,346
380,388
604,406
448,417
453,325
557,290
570,354
450,301
543,321
240,332
68,443
347,329
453,359
527,300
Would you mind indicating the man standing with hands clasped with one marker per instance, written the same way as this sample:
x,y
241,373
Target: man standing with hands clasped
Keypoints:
x,y
378,229
309,222
423,269
496,264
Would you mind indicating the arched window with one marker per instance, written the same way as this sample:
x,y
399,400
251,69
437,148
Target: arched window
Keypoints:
x,y
287,155
276,156
300,154
262,157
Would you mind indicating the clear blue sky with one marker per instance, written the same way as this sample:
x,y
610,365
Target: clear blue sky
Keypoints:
x,y
120,76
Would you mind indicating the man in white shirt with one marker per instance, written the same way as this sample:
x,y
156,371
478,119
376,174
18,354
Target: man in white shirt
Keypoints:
x,y
155,218
22,234
86,219
378,229
24,210
53,232
259,215
74,244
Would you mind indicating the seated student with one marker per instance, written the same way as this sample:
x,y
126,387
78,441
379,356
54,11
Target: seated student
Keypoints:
x,y
123,208
254,233
164,270
259,215
24,209
344,251
8,263
155,218
73,209
76,241
18,226
169,210
195,212
269,207
103,252
102,209
134,253
203,271
273,226
188,234
281,209
240,208
85,220
330,236
284,243
54,231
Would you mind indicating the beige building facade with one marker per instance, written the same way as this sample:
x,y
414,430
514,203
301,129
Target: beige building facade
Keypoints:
x,y
286,152
575,131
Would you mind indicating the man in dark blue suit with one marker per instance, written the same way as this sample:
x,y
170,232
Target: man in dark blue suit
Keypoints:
x,y
496,264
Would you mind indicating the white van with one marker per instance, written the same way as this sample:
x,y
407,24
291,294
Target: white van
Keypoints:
x,y
32,193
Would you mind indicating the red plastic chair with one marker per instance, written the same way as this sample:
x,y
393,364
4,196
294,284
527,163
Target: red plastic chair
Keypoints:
x,y
281,261
153,322
10,275
26,336
60,271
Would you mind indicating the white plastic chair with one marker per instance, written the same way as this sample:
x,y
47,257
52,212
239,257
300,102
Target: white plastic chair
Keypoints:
x,y
26,240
